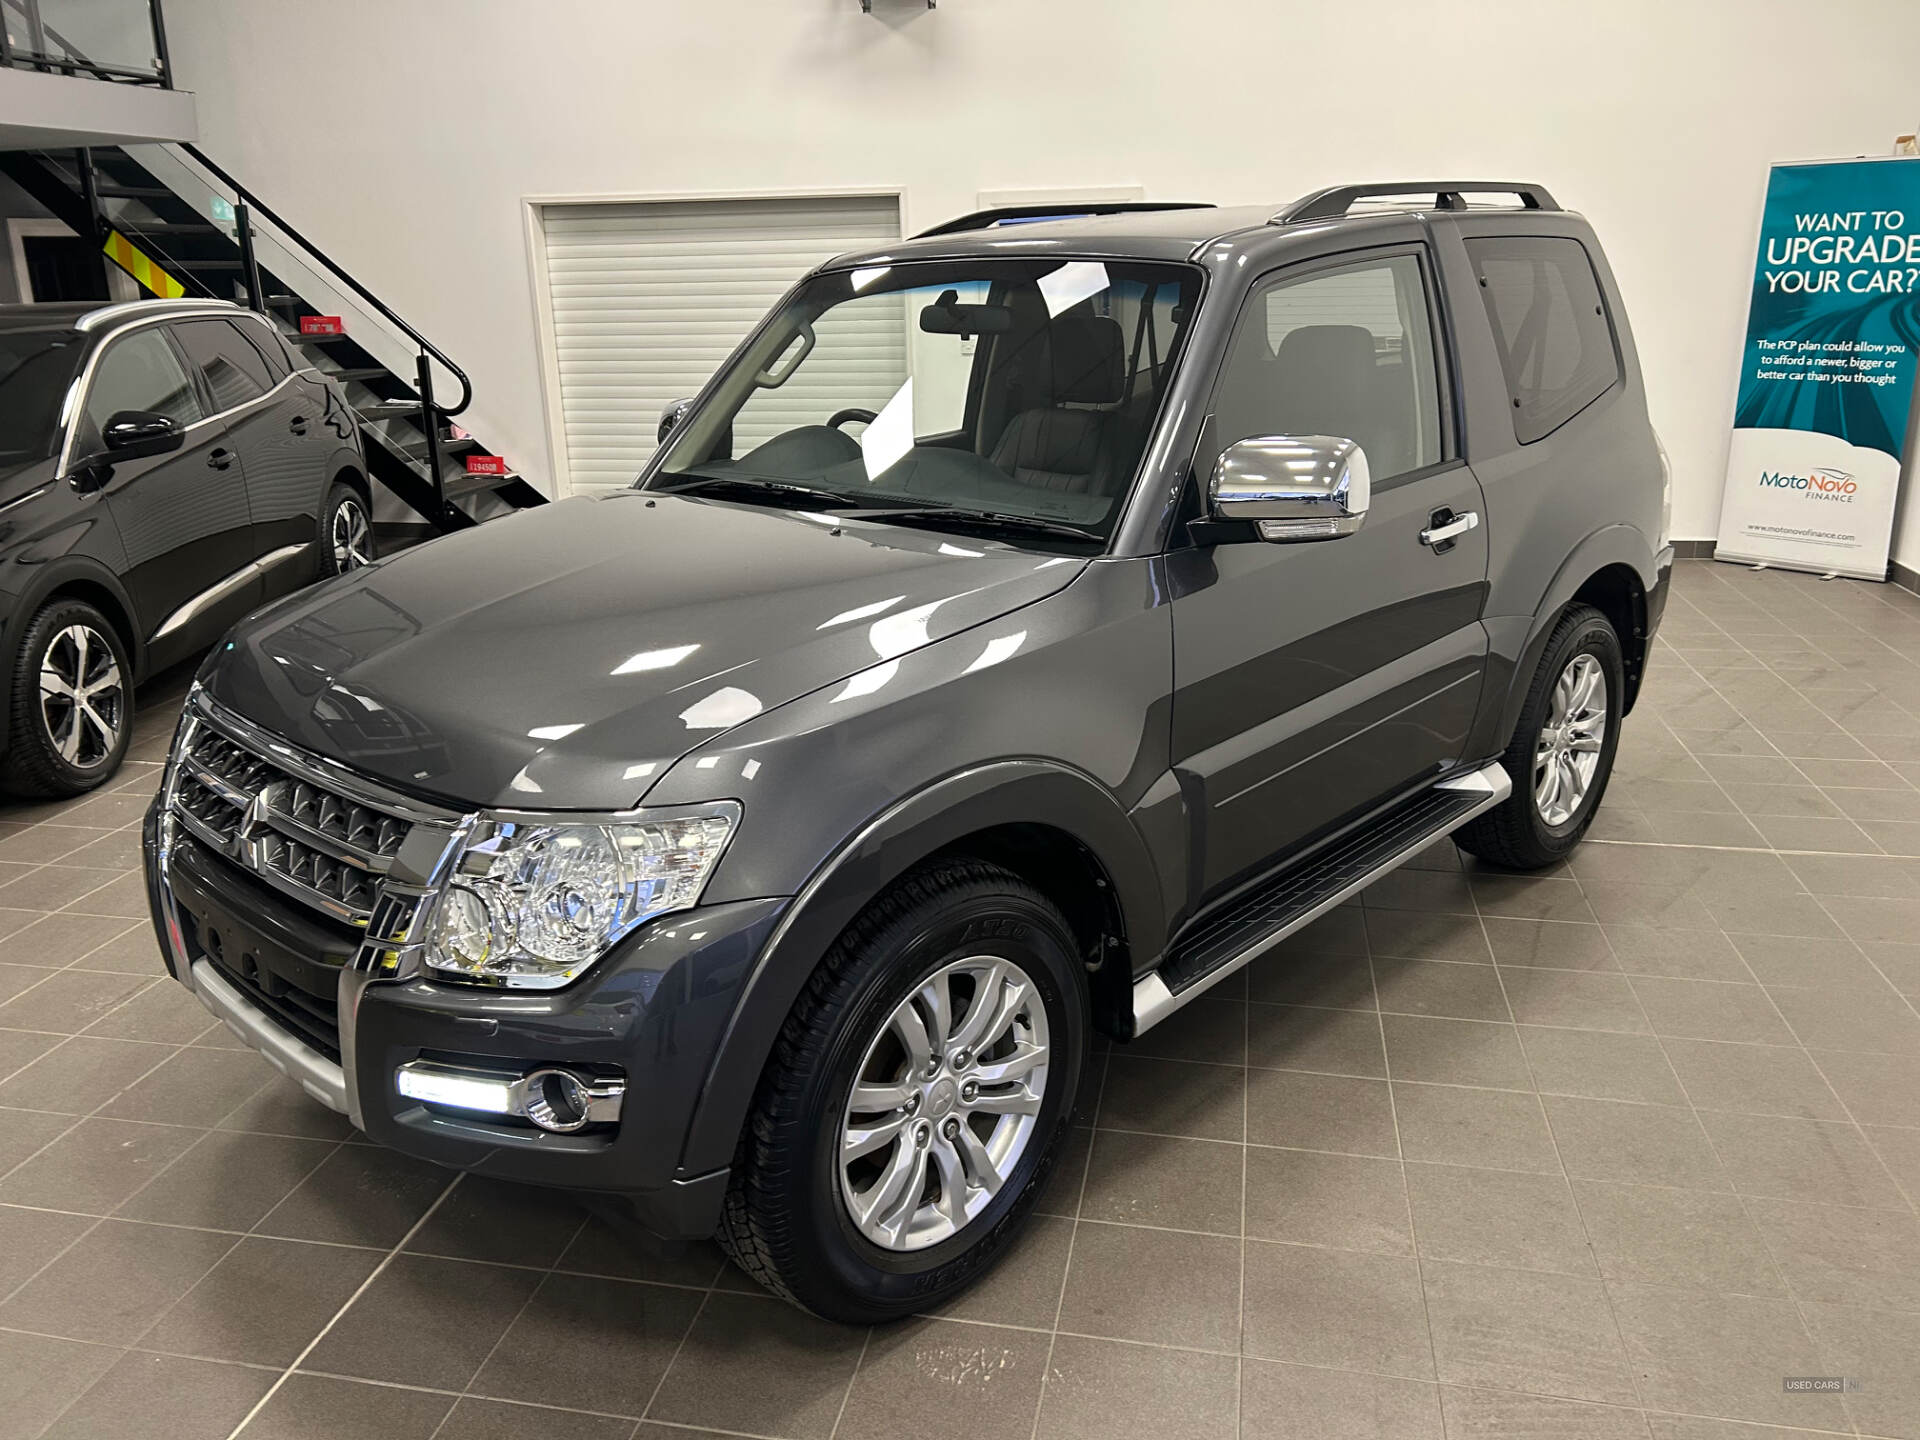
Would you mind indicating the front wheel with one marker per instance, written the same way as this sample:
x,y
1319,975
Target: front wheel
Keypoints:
x,y
72,703
1562,751
916,1100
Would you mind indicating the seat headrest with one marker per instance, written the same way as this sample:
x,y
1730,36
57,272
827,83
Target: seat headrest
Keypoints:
x,y
1089,359
1327,350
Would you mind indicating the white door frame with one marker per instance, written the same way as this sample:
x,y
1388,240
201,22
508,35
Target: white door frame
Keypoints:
x,y
533,209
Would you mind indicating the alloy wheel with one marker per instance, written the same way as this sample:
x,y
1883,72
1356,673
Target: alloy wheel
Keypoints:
x,y
351,533
1567,754
944,1103
83,700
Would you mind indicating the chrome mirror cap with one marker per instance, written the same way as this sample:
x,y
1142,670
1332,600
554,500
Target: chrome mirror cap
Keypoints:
x,y
1292,487
671,414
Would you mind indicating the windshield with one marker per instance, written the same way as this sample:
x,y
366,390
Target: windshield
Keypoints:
x,y
36,366
1021,388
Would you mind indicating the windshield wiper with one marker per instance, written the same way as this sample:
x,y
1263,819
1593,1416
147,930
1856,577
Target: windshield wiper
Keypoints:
x,y
992,522
747,486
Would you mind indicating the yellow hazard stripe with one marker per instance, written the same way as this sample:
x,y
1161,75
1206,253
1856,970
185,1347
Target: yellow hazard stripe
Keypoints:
x,y
120,250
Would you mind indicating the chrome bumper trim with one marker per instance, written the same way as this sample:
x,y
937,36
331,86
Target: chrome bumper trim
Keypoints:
x,y
314,1073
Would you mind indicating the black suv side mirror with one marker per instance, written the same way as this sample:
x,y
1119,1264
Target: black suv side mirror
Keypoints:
x,y
131,434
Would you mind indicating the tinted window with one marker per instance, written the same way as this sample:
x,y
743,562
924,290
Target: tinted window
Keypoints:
x,y
1345,352
270,347
138,372
36,366
234,370
1551,326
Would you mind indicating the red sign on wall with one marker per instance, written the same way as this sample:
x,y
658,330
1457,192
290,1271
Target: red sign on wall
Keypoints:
x,y
321,325
487,465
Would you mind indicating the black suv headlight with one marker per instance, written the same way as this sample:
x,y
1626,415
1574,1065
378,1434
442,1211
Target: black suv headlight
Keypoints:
x,y
532,901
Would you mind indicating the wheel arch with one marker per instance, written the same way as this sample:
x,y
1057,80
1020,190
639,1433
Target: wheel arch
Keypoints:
x,y
1054,826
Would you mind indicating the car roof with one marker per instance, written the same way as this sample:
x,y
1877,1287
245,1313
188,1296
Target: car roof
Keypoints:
x,y
90,315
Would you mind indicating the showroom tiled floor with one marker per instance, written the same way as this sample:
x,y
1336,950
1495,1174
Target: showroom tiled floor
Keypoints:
x,y
1607,1152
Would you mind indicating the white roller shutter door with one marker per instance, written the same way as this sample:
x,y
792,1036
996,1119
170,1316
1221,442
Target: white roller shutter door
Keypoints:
x,y
648,298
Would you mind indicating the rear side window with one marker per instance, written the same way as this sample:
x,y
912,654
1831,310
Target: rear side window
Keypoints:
x,y
234,370
1550,323
270,347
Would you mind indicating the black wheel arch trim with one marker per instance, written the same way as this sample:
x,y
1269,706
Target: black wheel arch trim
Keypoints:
x,y
932,819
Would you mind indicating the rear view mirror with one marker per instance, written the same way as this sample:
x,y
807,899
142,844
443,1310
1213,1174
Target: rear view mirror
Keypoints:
x,y
671,414
947,316
131,434
1293,487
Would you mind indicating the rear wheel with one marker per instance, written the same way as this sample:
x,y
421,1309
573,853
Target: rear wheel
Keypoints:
x,y
916,1101
1561,755
346,531
72,706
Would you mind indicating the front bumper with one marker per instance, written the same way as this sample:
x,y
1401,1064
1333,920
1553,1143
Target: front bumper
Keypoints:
x,y
655,1009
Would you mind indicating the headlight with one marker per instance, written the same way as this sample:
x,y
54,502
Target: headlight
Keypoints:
x,y
533,901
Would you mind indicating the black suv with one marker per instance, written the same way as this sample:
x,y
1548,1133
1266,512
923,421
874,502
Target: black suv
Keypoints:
x,y
164,467
1026,628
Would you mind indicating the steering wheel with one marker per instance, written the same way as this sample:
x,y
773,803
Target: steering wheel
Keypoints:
x,y
841,417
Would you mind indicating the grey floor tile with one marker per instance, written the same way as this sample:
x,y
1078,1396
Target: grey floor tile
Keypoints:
x,y
1335,981
1676,954
1497,1217
1753,1079
162,1397
359,1196
280,1107
320,1407
1158,1286
1455,1052
1525,1330
1414,935
1211,1029
96,1165
1814,1160
29,1239
1711,1010
41,1376
1160,1180
395,1330
508,1224
79,1075
68,1001
263,1302
1445,892
987,1373
1337,1308
1284,1402
1320,1112
1097,1389
1455,1125
1838,1256
1696,1239
1334,1042
1572,999
115,1281
1172,1097
1850,1019
1876,1089
1721,1355
1899,1151
753,1364
473,1419
1643,1144
589,1344
1347,1202
165,1013
1510,1415
1600,1065
227,1181
1875,1348
1439,987
1555,945
1531,897
193,1087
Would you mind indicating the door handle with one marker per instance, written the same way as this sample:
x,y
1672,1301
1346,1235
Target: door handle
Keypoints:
x,y
1446,526
220,459
298,425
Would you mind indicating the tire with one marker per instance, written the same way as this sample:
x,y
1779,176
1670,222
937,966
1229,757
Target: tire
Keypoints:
x,y
60,743
1527,831
346,531
789,1219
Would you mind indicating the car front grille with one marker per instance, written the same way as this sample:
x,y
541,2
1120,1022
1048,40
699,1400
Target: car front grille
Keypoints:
x,y
325,848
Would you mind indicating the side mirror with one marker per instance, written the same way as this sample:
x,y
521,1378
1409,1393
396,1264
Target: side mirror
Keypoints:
x,y
1292,487
131,434
670,417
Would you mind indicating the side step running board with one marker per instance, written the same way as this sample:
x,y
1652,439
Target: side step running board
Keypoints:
x,y
1264,917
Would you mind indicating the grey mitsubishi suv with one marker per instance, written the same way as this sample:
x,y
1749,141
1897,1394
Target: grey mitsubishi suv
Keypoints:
x,y
1031,624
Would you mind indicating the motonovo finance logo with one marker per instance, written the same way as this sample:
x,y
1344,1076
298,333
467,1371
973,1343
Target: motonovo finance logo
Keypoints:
x,y
1830,485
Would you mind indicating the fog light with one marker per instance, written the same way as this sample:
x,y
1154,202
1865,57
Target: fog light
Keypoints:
x,y
552,1098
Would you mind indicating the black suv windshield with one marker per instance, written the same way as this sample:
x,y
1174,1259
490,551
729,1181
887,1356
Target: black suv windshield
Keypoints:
x,y
36,366
1017,394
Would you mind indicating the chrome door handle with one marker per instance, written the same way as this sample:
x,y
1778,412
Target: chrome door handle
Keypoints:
x,y
1459,525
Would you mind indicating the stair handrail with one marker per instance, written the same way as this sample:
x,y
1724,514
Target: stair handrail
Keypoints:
x,y
75,59
427,347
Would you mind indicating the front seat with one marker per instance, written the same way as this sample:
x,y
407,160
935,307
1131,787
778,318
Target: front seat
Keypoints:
x,y
1069,445
1328,381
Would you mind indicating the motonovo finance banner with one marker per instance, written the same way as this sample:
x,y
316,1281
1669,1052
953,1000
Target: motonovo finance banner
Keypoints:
x,y
1820,431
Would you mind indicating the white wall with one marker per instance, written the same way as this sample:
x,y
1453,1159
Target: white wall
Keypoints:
x,y
403,136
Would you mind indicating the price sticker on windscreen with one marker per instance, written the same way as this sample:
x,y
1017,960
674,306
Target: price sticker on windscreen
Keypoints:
x,y
487,465
321,325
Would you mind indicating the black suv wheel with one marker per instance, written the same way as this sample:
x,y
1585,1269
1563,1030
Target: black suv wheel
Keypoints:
x,y
916,1100
346,531
1562,751
72,715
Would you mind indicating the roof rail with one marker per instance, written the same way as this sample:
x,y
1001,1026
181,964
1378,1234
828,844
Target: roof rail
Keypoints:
x,y
1337,200
1064,210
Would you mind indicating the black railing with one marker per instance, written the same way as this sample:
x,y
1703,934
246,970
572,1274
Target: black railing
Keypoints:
x,y
37,45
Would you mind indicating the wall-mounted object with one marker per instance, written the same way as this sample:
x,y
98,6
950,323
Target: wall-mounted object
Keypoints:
x,y
866,6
